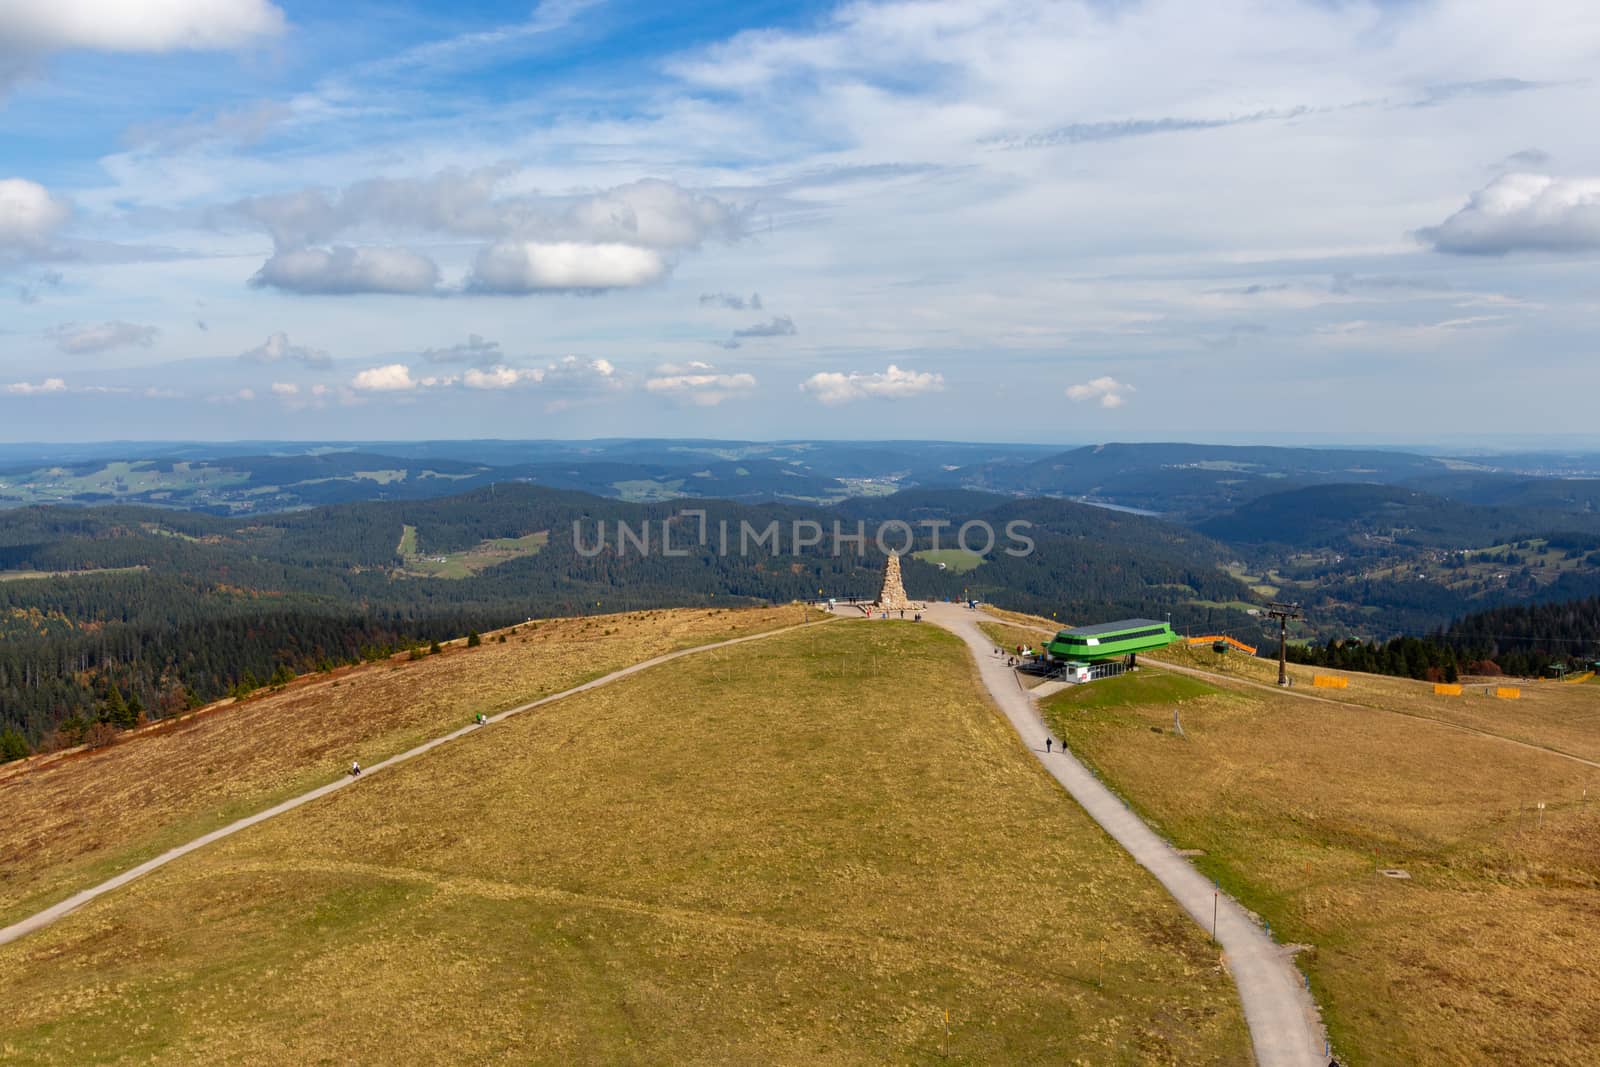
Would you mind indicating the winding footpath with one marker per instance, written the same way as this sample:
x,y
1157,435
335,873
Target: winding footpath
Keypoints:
x,y
41,919
1284,1025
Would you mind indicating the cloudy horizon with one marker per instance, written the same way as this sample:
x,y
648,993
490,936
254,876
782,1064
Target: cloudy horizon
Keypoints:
x,y
1067,221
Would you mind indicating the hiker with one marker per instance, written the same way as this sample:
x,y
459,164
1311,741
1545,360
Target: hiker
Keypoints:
x,y
1047,746
482,720
355,769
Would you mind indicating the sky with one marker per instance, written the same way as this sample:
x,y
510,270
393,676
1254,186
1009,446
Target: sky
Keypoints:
x,y
1066,221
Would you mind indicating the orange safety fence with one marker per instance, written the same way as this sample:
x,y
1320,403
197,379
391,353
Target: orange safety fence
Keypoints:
x,y
1507,692
1325,681
1211,639
1584,677
1446,689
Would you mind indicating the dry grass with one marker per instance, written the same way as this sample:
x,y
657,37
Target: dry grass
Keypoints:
x,y
1557,715
801,851
1007,636
70,823
1018,618
1487,954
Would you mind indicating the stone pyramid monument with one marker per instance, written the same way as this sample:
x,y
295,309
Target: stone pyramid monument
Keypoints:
x,y
894,596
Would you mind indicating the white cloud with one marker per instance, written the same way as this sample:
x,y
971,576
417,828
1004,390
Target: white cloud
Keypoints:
x,y
49,385
31,30
525,242
526,266
285,389
499,377
278,349
698,383
29,214
1107,391
396,378
121,26
892,384
393,378
343,270
1523,212
75,339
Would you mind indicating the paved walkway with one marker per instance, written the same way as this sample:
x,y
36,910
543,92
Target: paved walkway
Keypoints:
x,y
1284,1025
44,918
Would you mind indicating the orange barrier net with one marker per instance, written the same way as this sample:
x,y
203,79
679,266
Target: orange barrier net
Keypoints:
x,y
1211,639
1326,681
1446,689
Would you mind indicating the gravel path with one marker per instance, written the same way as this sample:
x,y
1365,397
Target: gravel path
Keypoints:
x,y
1284,1025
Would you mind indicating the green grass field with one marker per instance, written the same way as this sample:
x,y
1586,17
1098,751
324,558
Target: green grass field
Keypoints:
x,y
807,850
956,560
19,576
469,562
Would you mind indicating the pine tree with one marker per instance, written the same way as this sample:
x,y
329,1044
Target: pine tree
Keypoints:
x,y
12,745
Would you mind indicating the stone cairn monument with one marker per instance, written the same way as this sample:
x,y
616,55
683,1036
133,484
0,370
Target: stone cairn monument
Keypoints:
x,y
893,597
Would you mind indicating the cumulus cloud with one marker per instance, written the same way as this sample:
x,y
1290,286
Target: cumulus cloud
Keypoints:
x,y
80,339
33,29
1522,212
731,301
526,267
393,378
1107,392
574,379
29,214
344,269
698,383
572,382
893,384
500,377
120,27
474,350
527,242
49,385
285,389
278,349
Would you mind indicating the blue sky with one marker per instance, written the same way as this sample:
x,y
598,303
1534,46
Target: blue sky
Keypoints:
x,y
1056,221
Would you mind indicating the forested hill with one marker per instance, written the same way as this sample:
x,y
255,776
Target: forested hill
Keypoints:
x,y
1519,639
153,609
1525,638
1353,514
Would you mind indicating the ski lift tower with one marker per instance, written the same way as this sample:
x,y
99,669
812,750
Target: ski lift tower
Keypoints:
x,y
1283,613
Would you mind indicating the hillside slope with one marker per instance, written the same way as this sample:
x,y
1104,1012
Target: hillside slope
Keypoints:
x,y
808,853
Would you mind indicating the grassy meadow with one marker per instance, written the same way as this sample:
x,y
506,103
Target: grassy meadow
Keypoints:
x,y
807,850
67,823
1488,951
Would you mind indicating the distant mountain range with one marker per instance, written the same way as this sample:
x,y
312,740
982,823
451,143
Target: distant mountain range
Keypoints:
x,y
1183,482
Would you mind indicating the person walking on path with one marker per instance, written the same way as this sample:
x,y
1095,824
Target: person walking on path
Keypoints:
x,y
355,769
1047,746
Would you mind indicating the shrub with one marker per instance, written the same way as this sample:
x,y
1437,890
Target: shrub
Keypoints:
x,y
13,746
473,640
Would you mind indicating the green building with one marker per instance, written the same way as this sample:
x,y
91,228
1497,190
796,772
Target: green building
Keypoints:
x,y
1110,640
